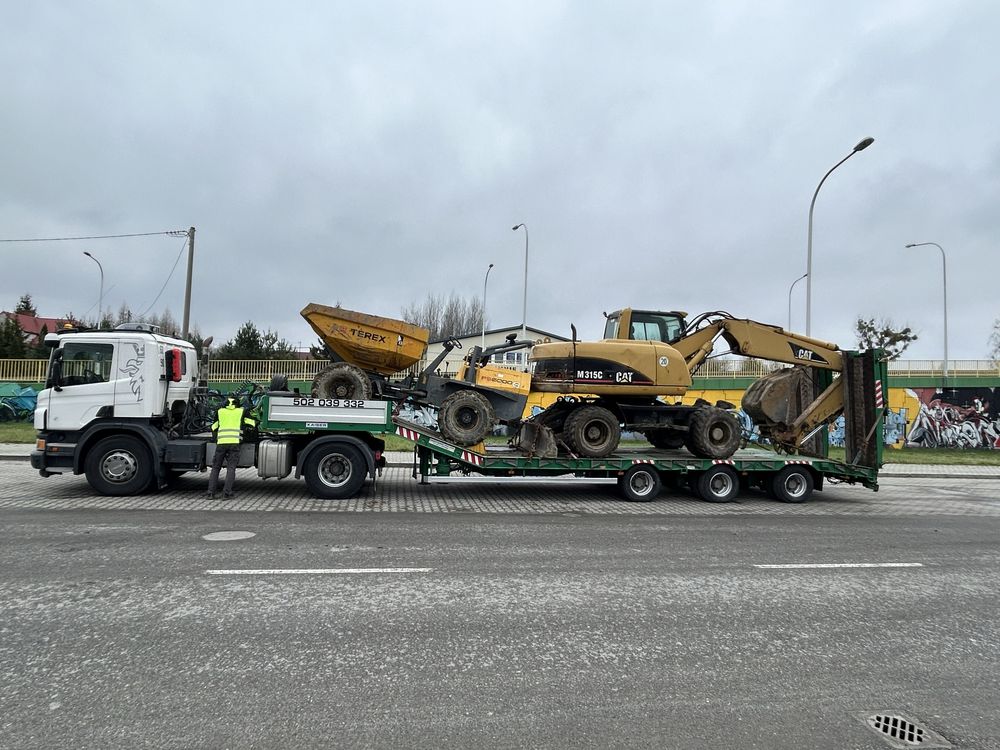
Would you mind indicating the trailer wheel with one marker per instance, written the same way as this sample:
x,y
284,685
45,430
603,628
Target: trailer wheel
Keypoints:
x,y
718,485
714,433
793,484
341,380
592,431
335,472
466,417
665,437
640,484
119,466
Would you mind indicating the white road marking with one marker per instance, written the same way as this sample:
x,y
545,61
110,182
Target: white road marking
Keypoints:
x,y
842,565
228,536
313,571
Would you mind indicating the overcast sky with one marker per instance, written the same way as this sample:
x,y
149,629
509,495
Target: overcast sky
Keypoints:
x,y
663,155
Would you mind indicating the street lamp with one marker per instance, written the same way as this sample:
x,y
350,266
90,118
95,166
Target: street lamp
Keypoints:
x,y
790,299
944,278
100,298
524,306
862,145
483,345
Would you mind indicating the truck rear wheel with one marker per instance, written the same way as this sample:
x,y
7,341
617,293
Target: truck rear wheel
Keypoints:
x,y
341,380
714,433
335,472
718,485
592,431
640,484
119,466
793,484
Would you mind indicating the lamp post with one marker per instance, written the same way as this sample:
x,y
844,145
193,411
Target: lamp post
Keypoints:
x,y
944,284
100,298
862,145
524,306
790,299
483,344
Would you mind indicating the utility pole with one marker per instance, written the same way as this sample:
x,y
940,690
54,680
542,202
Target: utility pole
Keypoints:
x,y
187,288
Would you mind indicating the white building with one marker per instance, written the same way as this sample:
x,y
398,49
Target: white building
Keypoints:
x,y
517,360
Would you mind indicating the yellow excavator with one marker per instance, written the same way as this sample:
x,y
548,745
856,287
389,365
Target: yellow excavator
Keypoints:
x,y
646,356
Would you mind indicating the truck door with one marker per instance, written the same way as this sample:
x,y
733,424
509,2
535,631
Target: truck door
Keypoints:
x,y
138,387
85,385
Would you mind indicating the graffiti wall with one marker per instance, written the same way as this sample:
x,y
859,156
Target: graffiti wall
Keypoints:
x,y
955,418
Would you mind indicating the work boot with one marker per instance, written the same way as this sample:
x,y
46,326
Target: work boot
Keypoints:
x,y
210,495
229,496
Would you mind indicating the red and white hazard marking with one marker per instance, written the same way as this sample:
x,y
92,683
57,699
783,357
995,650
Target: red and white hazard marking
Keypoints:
x,y
879,403
407,433
472,458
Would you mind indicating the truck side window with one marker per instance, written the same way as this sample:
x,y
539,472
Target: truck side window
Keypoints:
x,y
86,363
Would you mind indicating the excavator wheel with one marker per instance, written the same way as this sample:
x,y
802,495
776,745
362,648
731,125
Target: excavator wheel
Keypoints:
x,y
592,431
341,380
664,437
713,433
466,417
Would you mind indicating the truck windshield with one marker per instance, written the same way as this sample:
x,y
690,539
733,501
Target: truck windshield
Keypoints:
x,y
656,327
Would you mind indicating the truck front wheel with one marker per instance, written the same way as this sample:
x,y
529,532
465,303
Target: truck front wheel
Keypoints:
x,y
119,466
335,472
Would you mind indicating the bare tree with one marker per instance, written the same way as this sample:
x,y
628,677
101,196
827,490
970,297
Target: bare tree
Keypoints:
x,y
995,341
453,316
882,333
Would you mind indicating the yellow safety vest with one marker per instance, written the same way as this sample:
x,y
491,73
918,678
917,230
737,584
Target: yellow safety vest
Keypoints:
x,y
229,421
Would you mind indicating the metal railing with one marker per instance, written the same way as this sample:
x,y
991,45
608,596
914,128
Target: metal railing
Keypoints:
x,y
238,370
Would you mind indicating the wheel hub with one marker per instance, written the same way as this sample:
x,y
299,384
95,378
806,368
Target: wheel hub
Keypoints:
x,y
335,471
119,466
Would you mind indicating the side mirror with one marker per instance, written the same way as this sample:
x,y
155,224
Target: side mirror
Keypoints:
x,y
55,370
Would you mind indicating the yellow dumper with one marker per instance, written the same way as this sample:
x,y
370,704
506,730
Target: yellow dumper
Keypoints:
x,y
372,348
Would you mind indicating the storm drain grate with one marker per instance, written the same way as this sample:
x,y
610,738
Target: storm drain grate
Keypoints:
x,y
901,732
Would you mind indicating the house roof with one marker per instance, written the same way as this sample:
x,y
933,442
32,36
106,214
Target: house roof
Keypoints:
x,y
33,324
509,329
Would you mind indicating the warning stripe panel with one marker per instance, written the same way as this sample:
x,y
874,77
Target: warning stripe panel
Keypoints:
x,y
879,403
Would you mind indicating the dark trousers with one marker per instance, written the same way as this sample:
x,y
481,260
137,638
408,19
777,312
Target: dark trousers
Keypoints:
x,y
230,454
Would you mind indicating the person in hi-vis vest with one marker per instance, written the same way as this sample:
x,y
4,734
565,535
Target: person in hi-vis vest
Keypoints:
x,y
227,427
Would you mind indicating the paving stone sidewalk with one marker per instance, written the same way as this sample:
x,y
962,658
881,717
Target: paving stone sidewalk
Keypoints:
x,y
21,451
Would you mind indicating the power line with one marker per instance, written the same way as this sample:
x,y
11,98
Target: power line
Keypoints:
x,y
169,275
170,233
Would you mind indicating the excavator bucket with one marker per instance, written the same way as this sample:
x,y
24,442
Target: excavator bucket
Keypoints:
x,y
373,343
779,398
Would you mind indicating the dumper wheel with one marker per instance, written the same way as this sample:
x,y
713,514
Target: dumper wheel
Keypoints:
x,y
665,438
466,417
341,380
713,433
592,431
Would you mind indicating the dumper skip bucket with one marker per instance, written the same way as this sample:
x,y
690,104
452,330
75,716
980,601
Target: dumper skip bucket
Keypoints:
x,y
373,343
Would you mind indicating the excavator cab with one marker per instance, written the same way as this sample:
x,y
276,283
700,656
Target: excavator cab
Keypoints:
x,y
645,325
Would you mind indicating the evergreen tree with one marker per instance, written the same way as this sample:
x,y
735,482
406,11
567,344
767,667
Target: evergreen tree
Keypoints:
x,y
251,343
12,344
26,307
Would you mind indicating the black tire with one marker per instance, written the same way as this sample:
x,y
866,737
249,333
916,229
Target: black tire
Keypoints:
x,y
793,484
7,413
341,380
714,433
466,417
335,472
592,431
720,484
666,438
640,484
119,466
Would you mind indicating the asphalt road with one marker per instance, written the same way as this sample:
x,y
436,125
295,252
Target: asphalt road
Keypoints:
x,y
124,627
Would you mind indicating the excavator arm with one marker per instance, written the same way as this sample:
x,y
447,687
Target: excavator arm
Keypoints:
x,y
784,405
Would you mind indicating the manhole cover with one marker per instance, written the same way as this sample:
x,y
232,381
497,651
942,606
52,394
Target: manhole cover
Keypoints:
x,y
902,732
228,536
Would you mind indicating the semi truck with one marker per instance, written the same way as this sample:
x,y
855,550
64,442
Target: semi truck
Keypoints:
x,y
128,409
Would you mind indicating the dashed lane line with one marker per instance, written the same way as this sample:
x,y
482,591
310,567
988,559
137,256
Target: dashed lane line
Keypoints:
x,y
312,571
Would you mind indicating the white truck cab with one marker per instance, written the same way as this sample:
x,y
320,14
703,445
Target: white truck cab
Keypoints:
x,y
125,385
